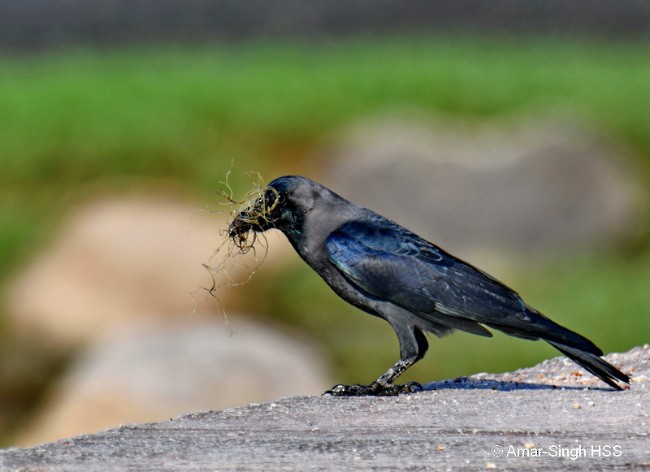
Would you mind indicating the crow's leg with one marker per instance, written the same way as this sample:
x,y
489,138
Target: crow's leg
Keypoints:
x,y
413,346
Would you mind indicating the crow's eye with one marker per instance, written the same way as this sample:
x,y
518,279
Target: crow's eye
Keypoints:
x,y
271,199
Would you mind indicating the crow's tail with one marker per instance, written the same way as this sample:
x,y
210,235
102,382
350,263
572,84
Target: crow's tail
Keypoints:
x,y
594,364
576,347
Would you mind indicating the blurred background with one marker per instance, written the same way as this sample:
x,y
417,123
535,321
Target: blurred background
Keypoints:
x,y
515,134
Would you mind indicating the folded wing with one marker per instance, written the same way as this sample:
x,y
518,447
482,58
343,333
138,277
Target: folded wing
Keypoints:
x,y
390,263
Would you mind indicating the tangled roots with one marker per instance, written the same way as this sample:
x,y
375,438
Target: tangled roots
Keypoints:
x,y
239,239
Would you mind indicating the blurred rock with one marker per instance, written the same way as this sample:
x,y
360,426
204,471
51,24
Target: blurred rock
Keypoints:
x,y
159,371
542,185
118,260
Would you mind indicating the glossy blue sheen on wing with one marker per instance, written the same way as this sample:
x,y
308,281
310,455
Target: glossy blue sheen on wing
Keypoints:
x,y
391,263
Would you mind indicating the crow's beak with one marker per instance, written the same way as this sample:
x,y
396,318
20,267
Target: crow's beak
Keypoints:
x,y
238,226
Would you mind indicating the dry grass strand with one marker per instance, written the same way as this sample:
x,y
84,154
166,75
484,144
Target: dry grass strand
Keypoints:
x,y
229,256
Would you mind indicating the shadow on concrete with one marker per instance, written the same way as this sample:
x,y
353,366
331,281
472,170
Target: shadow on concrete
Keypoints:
x,y
467,383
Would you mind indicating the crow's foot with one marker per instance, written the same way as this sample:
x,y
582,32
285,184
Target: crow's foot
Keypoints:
x,y
353,390
374,389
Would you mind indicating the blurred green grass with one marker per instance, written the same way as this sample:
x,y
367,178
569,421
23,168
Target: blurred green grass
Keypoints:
x,y
82,115
77,118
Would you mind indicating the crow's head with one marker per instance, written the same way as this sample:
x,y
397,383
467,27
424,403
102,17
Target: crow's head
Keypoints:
x,y
280,205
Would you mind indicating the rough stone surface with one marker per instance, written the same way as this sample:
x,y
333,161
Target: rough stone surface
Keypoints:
x,y
161,370
538,185
514,421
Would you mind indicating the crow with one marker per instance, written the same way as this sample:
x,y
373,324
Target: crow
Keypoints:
x,y
388,271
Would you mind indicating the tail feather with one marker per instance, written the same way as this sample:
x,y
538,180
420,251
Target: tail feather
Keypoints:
x,y
531,324
594,364
552,332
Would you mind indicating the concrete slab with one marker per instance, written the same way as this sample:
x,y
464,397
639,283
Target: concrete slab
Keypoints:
x,y
547,417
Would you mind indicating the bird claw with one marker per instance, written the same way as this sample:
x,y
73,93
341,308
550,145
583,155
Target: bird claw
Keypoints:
x,y
374,389
356,390
411,387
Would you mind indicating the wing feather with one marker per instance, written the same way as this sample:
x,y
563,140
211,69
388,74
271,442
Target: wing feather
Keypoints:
x,y
390,263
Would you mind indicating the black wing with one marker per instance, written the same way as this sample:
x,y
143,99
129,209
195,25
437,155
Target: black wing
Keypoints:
x,y
389,262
